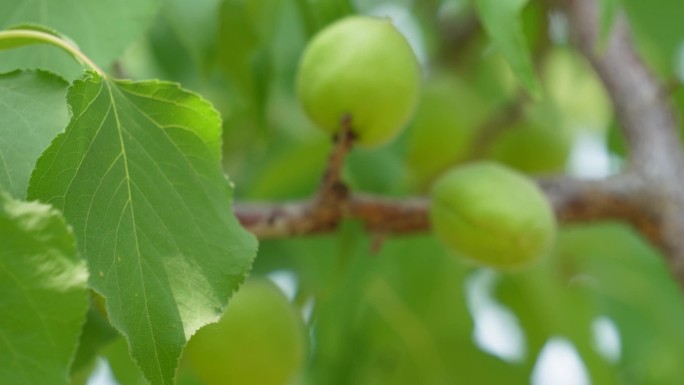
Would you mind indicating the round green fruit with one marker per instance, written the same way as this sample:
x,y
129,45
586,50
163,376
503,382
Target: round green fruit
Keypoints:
x,y
492,215
260,340
362,69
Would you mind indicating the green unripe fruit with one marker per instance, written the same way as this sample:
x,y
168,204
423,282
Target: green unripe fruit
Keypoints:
x,y
492,215
260,340
361,68
532,148
442,131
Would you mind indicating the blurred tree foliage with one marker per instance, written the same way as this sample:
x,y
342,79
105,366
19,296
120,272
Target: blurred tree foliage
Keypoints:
x,y
400,316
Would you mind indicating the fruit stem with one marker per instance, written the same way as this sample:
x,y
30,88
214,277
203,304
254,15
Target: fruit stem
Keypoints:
x,y
44,37
331,188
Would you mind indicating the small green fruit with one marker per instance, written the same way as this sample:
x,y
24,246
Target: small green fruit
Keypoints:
x,y
492,215
532,148
260,340
361,68
442,131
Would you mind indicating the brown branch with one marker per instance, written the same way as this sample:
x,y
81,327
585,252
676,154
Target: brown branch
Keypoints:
x,y
620,197
649,194
380,215
573,200
319,214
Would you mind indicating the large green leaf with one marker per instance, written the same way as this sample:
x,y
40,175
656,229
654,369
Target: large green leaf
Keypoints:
x,y
137,173
44,298
32,113
501,20
95,25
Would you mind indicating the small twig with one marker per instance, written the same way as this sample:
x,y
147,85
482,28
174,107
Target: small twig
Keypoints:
x,y
492,128
455,36
321,213
512,112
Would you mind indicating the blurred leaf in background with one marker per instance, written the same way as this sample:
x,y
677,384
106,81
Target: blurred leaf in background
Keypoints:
x,y
97,30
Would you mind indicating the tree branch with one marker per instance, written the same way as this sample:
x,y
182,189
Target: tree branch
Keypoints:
x,y
573,200
380,215
648,125
644,113
620,197
649,194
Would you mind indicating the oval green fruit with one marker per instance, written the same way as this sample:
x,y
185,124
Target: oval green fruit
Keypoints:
x,y
442,131
260,340
360,68
532,148
492,215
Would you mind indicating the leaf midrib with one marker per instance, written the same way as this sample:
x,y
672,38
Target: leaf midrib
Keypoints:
x,y
135,226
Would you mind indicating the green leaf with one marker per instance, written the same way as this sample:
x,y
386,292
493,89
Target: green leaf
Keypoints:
x,y
245,36
123,368
32,113
501,20
95,25
137,173
97,332
44,297
183,17
654,26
